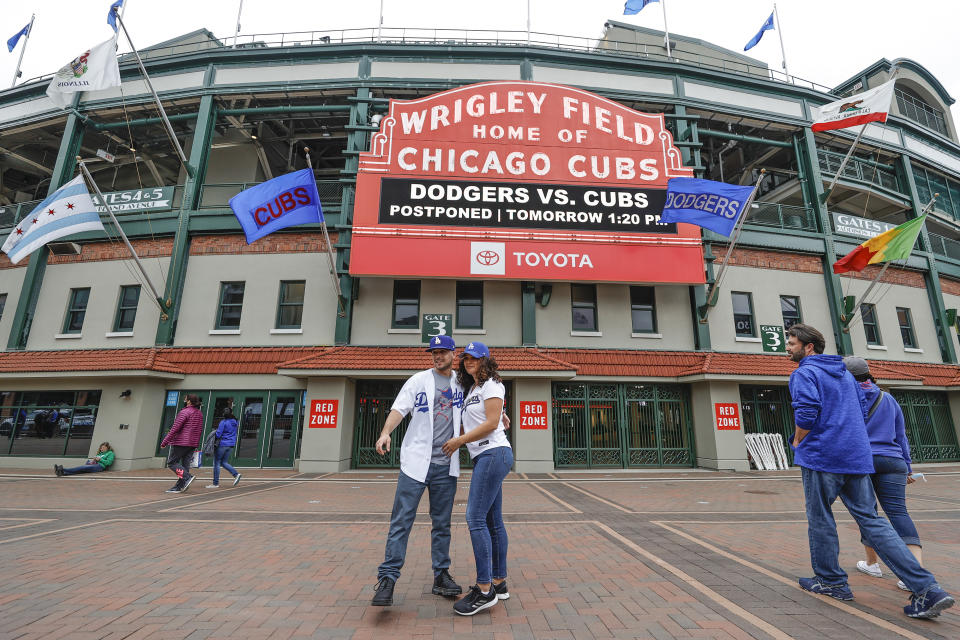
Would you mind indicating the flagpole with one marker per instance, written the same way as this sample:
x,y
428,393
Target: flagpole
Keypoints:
x,y
853,314
666,30
843,164
156,98
528,23
380,24
26,39
715,287
326,237
783,52
237,30
136,258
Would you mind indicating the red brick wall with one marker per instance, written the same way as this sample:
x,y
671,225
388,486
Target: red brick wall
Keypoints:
x,y
6,264
894,275
117,250
950,287
232,244
767,259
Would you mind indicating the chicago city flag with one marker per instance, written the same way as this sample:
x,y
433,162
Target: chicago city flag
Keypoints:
x,y
66,211
92,70
895,244
870,106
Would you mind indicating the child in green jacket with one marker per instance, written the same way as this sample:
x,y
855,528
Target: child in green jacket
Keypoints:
x,y
99,462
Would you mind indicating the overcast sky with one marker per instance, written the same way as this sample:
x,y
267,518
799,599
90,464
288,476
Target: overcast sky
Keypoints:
x,y
827,41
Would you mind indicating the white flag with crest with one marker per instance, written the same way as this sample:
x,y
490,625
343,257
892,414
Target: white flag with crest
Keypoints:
x,y
92,70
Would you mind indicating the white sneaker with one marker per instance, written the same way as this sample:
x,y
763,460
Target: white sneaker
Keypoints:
x,y
870,569
213,486
902,586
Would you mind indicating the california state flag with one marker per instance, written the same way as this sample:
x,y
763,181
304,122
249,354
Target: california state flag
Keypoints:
x,y
869,106
92,70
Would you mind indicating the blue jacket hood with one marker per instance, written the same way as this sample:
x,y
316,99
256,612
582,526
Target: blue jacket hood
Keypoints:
x,y
832,365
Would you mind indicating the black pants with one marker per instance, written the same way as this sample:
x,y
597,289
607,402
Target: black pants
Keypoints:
x,y
178,460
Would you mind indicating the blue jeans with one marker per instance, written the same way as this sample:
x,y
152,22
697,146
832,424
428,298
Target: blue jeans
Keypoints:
x,y
220,458
484,513
890,485
84,468
821,489
443,489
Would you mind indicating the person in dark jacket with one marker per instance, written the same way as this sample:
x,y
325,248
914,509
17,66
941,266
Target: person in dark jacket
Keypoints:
x,y
833,452
891,461
183,438
226,437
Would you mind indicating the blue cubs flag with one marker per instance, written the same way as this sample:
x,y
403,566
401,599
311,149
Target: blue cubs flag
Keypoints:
x,y
705,203
633,7
283,202
767,26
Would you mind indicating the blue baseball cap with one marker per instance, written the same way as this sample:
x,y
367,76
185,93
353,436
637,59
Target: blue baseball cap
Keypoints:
x,y
442,342
477,350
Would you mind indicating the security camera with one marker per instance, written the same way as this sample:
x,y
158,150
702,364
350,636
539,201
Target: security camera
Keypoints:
x,y
125,393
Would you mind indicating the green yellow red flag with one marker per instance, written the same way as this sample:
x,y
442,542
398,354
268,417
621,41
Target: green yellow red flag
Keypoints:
x,y
895,244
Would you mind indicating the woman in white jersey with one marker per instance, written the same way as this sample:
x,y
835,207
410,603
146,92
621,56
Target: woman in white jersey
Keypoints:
x,y
482,430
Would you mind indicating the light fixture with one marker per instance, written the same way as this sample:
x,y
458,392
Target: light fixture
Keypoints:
x,y
253,136
125,393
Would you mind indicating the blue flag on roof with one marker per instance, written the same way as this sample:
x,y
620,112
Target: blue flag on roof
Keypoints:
x,y
285,201
111,16
712,205
767,26
15,38
633,7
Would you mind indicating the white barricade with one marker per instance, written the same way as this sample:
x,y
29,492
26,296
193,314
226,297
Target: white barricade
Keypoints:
x,y
767,451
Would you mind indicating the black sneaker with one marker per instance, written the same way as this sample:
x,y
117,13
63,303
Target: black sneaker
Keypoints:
x,y
501,589
188,482
384,595
475,601
444,585
56,470
176,488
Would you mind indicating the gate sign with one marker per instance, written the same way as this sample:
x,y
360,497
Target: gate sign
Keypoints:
x,y
521,181
155,199
435,324
323,414
728,416
773,338
533,415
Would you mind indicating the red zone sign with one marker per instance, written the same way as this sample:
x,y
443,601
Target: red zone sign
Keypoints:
x,y
518,181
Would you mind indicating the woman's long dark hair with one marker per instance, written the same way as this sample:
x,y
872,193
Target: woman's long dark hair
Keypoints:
x,y
487,371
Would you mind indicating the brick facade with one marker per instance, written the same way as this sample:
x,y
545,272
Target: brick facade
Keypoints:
x,y
949,286
117,250
769,259
894,275
236,243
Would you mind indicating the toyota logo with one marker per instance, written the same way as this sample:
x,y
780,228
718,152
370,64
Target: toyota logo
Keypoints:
x,y
488,258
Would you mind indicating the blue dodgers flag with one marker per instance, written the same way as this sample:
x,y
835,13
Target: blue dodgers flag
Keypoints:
x,y
633,7
282,202
767,26
111,16
705,203
15,38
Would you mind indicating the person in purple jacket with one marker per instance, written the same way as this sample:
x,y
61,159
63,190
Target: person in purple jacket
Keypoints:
x,y
891,461
833,451
226,436
183,438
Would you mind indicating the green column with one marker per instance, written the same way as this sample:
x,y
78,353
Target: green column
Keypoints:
x,y
33,280
357,131
812,182
687,132
932,275
176,274
528,317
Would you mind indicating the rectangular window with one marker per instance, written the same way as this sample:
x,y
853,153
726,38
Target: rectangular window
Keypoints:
x,y
290,304
584,302
47,423
127,308
231,305
743,315
76,310
470,304
3,303
406,304
870,327
906,328
790,308
643,310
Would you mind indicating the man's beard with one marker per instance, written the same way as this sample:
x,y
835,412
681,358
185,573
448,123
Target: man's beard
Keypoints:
x,y
796,356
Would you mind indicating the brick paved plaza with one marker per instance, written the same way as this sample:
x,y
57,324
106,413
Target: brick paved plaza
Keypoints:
x,y
592,555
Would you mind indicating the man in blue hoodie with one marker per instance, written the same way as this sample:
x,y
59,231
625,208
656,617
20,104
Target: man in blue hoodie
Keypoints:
x,y
833,450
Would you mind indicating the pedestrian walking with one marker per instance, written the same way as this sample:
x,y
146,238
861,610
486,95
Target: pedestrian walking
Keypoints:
x,y
433,399
225,439
833,451
482,431
183,438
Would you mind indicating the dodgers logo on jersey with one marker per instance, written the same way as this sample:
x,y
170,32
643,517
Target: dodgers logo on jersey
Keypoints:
x,y
458,398
420,404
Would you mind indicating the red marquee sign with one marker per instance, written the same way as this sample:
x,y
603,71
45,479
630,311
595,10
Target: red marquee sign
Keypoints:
x,y
521,181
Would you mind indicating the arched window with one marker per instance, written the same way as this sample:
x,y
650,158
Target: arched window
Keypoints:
x,y
912,106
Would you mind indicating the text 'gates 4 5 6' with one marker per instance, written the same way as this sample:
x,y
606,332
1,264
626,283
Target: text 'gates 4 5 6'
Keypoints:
x,y
521,180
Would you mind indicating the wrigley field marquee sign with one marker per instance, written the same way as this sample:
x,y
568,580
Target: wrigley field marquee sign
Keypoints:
x,y
521,180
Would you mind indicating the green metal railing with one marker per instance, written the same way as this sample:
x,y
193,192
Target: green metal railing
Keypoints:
x,y
782,216
860,170
946,247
